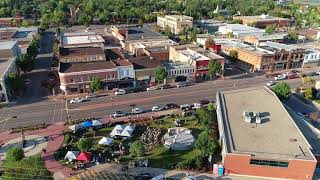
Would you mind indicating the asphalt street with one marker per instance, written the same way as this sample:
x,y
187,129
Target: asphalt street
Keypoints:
x,y
55,110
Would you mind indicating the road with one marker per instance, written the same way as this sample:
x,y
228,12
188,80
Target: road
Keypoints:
x,y
54,110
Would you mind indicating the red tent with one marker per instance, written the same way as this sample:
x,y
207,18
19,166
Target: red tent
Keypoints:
x,y
84,156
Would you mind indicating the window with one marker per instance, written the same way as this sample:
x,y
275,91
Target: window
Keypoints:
x,y
269,163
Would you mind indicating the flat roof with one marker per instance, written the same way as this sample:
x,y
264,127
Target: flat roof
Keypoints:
x,y
7,44
4,64
85,66
68,52
141,32
275,46
276,138
143,62
81,38
262,17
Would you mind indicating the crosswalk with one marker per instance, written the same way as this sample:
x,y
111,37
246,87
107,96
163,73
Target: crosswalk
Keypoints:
x,y
93,175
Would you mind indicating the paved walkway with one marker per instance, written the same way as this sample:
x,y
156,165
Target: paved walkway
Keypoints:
x,y
55,139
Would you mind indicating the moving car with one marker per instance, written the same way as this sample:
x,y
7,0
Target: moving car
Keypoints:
x,y
271,83
92,95
156,108
136,111
181,84
120,92
76,100
171,106
119,114
153,88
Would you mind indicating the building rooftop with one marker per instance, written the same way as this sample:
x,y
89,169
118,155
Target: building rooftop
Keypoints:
x,y
262,17
277,137
176,65
137,32
144,62
193,55
4,65
275,46
6,35
85,51
7,44
74,39
122,62
85,66
113,54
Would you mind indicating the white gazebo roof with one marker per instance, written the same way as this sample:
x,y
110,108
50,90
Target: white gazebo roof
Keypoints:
x,y
96,123
105,141
75,127
72,155
121,130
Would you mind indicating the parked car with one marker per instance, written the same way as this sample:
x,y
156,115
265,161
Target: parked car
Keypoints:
x,y
27,81
156,108
197,106
153,88
120,92
76,100
92,95
119,114
181,84
204,101
165,86
318,72
136,111
279,77
271,83
312,74
302,114
171,106
185,106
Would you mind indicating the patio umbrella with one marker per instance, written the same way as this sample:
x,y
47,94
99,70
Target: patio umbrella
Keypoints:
x,y
71,155
96,123
87,124
84,156
105,141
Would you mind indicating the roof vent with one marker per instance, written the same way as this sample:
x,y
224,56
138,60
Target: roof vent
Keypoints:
x,y
252,117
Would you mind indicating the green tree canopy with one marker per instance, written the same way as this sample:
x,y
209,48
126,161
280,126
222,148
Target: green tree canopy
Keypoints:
x,y
233,53
84,144
282,90
160,73
211,107
14,154
206,144
15,82
214,68
95,84
204,116
293,35
137,149
270,29
167,32
26,62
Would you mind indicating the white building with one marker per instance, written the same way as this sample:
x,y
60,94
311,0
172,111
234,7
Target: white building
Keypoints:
x,y
311,58
180,69
177,23
9,52
239,30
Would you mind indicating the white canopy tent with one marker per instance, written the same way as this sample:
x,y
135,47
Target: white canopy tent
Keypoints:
x,y
105,141
96,123
75,127
121,130
71,155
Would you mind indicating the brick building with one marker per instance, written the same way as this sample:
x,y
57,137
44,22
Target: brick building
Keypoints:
x,y
263,21
259,138
10,21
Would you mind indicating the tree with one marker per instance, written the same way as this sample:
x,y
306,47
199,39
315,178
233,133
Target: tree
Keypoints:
x,y
211,107
193,34
206,144
25,23
14,154
308,93
15,82
33,49
204,116
293,35
167,32
282,90
270,29
95,84
160,73
214,67
26,62
209,42
230,35
137,149
84,144
233,53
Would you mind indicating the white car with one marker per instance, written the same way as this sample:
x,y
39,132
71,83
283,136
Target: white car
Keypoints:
x,y
181,84
279,77
318,72
197,106
119,114
136,111
156,108
93,95
76,100
185,106
153,88
271,83
120,92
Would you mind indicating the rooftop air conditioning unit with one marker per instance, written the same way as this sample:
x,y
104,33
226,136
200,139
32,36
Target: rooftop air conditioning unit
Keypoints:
x,y
247,116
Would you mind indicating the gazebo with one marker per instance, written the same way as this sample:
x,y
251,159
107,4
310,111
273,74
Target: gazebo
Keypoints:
x,y
84,156
71,155
105,141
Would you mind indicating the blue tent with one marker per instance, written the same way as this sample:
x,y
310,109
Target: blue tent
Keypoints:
x,y
87,124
